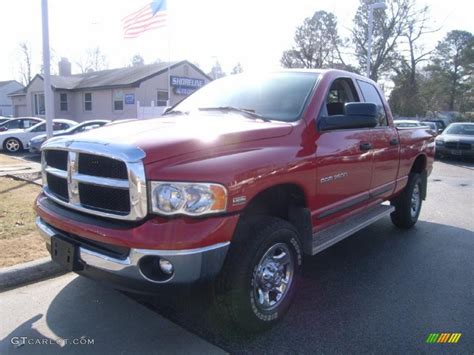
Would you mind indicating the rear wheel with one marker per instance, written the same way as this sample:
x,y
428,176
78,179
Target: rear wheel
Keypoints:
x,y
408,203
12,145
257,284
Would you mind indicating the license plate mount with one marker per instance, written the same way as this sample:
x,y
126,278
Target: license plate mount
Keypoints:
x,y
65,254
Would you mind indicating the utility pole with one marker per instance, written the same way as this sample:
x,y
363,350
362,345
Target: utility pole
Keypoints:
x,y
372,7
48,98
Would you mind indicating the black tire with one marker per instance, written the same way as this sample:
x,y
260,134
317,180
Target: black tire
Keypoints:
x,y
12,145
407,204
237,288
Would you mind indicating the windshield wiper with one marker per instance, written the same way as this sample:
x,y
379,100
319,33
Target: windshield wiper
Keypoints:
x,y
247,112
175,112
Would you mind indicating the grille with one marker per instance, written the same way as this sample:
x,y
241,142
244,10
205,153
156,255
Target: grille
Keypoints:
x,y
96,184
105,198
457,145
96,165
58,186
56,159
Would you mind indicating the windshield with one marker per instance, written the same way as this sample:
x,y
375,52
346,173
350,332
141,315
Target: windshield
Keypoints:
x,y
462,129
276,96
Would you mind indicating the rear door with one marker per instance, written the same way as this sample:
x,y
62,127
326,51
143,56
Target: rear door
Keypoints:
x,y
385,145
343,159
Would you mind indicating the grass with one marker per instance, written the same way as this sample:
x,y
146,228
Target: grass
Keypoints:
x,y
19,240
6,160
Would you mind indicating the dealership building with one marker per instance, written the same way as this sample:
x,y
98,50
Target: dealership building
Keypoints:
x,y
110,94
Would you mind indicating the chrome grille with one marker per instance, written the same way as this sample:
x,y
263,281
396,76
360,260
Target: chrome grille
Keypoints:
x,y
458,145
101,179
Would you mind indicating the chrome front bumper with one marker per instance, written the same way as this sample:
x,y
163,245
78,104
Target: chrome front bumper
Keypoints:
x,y
189,265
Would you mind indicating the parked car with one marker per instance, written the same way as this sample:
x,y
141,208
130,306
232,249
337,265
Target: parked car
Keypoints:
x,y
35,143
407,124
456,140
3,120
19,123
233,185
15,140
439,123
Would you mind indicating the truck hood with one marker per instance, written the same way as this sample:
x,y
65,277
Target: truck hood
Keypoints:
x,y
169,136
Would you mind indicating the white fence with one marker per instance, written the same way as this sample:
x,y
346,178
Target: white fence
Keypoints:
x,y
149,111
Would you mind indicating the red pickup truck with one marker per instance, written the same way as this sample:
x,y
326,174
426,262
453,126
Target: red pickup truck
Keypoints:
x,y
233,185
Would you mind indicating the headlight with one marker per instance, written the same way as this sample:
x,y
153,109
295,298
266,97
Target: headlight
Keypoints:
x,y
194,199
38,140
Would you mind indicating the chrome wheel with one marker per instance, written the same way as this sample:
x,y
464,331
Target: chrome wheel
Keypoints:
x,y
272,277
12,145
415,201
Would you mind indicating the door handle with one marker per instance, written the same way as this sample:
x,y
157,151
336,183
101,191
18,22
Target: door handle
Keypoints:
x,y
394,141
365,146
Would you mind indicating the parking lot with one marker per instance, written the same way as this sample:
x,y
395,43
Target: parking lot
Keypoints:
x,y
381,291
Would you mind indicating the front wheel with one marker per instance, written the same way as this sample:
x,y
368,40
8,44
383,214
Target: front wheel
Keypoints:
x,y
408,204
12,145
257,284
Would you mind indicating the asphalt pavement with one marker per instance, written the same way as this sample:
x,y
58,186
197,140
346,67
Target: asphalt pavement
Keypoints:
x,y
383,290
74,315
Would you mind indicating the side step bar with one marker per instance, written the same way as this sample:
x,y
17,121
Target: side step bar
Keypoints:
x,y
330,236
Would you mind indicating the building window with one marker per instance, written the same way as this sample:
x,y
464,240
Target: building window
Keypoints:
x,y
39,104
118,101
88,101
63,102
162,98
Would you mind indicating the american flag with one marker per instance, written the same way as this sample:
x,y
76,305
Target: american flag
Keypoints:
x,y
149,17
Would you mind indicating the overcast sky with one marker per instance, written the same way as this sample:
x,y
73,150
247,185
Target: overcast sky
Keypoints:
x,y
253,32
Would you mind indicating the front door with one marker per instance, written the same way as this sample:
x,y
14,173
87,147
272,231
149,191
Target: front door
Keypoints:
x,y
343,160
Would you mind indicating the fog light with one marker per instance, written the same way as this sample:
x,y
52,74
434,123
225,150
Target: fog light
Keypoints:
x,y
166,266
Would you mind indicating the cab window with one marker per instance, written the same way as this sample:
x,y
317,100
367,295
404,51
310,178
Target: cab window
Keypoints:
x,y
14,124
342,91
371,95
40,128
59,126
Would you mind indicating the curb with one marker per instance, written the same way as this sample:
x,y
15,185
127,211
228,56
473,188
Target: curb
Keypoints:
x,y
32,271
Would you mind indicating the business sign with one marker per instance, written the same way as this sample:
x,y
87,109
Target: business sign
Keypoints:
x,y
129,99
185,86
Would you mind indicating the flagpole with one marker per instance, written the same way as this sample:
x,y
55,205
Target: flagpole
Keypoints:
x,y
48,102
169,55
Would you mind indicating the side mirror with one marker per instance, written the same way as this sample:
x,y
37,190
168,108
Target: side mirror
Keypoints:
x,y
356,115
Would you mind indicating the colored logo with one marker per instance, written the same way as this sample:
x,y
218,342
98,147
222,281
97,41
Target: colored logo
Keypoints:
x,y
439,338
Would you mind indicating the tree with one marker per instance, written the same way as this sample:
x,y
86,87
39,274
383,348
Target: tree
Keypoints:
x,y
237,69
94,60
317,43
389,25
216,71
405,97
452,69
137,60
25,62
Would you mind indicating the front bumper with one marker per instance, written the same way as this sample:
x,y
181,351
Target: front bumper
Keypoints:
x,y
34,148
114,251
441,150
189,265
